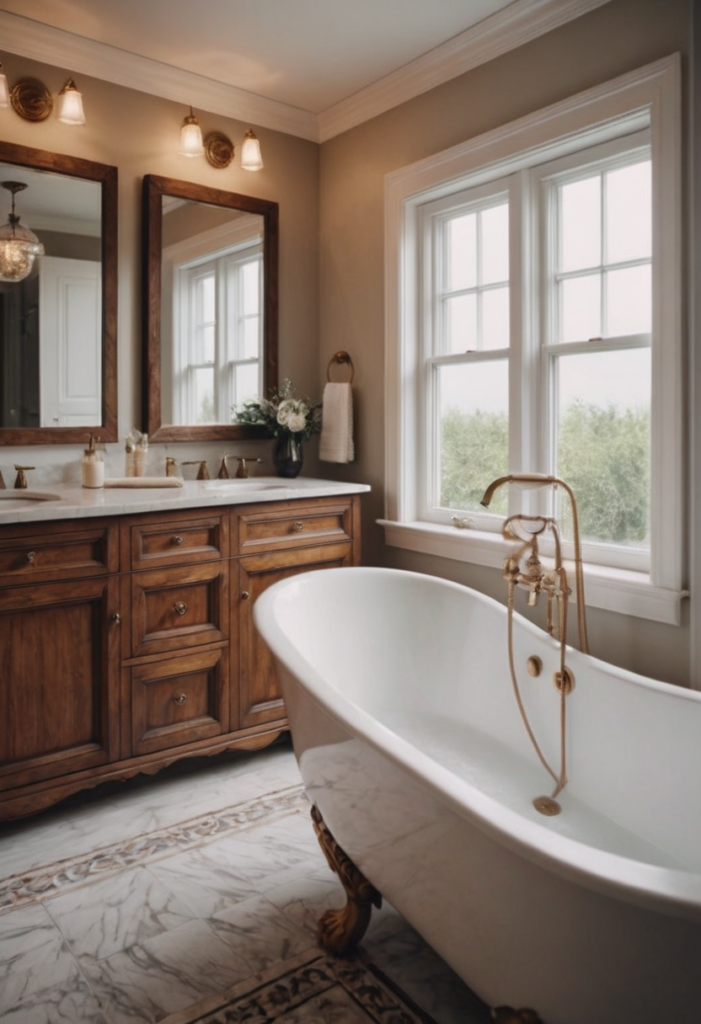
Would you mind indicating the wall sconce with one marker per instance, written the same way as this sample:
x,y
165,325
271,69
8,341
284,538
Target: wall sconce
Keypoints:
x,y
4,89
251,159
191,137
70,104
19,246
33,102
217,147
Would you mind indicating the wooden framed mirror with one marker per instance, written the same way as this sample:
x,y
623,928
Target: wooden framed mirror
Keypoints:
x,y
210,308
58,325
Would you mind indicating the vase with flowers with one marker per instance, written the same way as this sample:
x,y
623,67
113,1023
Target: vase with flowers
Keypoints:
x,y
291,420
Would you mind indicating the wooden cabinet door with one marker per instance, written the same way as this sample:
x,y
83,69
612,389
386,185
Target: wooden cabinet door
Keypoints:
x,y
59,674
260,700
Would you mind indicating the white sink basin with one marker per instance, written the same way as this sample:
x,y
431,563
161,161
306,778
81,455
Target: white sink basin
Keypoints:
x,y
23,499
252,484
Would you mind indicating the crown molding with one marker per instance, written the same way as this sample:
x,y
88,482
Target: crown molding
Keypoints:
x,y
506,30
63,49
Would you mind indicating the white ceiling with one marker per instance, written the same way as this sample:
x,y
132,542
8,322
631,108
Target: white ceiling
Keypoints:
x,y
309,67
308,53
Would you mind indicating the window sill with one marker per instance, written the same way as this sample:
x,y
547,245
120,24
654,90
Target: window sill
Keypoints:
x,y
616,590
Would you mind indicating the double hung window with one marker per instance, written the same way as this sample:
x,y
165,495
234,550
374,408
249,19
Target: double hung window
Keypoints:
x,y
534,326
218,349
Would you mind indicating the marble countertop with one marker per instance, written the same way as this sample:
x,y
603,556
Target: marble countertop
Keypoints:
x,y
71,501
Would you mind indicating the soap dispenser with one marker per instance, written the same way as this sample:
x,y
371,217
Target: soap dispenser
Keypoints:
x,y
92,468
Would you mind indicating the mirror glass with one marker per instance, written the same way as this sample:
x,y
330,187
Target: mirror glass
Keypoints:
x,y
210,308
58,379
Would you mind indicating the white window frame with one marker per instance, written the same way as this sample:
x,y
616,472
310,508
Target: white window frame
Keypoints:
x,y
648,98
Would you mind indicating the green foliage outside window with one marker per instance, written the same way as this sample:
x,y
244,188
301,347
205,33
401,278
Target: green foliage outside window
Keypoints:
x,y
603,454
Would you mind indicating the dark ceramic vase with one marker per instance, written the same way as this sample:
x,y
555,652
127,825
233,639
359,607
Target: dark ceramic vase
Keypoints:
x,y
288,456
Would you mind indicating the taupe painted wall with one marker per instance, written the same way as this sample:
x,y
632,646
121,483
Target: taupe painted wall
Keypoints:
x,y
332,224
616,38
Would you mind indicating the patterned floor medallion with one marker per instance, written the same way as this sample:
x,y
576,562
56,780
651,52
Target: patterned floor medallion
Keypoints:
x,y
312,990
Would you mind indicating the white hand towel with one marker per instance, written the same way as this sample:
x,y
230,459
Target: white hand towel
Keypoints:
x,y
336,442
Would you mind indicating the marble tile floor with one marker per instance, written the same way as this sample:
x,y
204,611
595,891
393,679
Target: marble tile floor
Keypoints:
x,y
133,901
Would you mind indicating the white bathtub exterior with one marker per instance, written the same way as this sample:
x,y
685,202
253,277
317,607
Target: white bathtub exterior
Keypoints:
x,y
409,741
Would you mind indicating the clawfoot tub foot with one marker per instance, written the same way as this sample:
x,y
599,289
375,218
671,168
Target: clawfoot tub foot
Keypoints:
x,y
340,930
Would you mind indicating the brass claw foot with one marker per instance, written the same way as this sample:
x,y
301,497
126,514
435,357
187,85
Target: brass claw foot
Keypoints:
x,y
340,930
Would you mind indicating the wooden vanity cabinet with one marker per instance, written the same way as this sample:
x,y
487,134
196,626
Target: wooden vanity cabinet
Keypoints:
x,y
127,643
59,658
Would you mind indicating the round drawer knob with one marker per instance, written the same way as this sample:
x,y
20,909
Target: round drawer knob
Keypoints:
x,y
298,525
245,596
31,555
116,618
177,540
180,607
180,698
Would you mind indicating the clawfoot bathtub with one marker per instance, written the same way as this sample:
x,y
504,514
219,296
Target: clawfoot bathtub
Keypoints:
x,y
413,751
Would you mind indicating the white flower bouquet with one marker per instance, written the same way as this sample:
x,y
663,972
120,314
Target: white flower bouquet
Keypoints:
x,y
282,414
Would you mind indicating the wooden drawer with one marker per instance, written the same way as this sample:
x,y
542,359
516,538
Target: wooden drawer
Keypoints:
x,y
181,539
38,553
177,608
179,700
294,524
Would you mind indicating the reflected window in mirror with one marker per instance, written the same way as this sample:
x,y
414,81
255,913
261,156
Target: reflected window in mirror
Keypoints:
x,y
212,286
58,324
210,308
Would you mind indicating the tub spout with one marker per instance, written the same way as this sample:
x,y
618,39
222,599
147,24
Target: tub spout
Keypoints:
x,y
534,480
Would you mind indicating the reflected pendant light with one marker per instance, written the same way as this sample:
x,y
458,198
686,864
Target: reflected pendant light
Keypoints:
x,y
19,246
251,159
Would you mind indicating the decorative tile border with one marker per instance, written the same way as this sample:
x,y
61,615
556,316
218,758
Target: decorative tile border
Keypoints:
x,y
303,988
49,879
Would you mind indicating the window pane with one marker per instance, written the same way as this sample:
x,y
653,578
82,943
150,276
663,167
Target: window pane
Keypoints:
x,y
461,262
203,345
461,324
246,382
495,318
204,395
251,338
580,308
495,244
603,448
629,301
205,298
251,293
473,445
629,213
580,224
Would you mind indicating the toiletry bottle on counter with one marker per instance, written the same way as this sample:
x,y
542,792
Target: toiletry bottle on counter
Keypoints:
x,y
92,468
140,455
129,455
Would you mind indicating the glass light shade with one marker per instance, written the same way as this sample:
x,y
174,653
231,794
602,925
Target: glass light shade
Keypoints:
x,y
191,137
4,90
19,247
70,104
251,159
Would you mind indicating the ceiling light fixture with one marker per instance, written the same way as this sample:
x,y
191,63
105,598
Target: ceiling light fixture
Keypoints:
x,y
251,159
191,137
70,104
19,246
